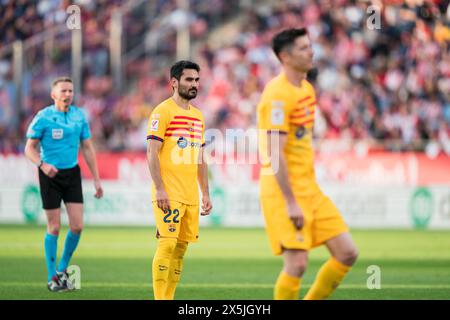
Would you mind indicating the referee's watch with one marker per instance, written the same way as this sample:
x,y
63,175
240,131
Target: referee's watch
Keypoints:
x,y
40,163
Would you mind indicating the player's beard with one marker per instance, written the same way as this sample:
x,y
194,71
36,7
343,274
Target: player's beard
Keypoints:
x,y
187,94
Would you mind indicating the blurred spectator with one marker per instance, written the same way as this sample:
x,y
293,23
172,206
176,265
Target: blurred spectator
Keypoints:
x,y
389,87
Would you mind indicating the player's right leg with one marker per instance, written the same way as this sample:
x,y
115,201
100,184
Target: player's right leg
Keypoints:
x,y
161,266
293,244
288,283
176,268
50,245
189,230
168,229
51,195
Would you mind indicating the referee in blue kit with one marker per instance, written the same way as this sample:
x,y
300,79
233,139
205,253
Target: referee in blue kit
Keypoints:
x,y
60,129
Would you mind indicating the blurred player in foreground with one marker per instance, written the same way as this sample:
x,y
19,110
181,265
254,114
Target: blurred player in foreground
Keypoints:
x,y
60,129
298,216
175,157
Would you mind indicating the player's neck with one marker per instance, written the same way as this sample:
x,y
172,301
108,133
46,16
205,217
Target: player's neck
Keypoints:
x,y
294,77
181,102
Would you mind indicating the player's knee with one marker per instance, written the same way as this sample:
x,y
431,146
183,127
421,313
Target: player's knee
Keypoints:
x,y
353,256
53,228
349,256
180,249
166,247
297,267
77,228
300,266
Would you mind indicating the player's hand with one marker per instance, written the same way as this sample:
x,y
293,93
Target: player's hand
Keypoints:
x,y
295,214
206,206
98,189
162,200
49,170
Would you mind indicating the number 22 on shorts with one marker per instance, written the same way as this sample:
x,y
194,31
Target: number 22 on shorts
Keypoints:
x,y
168,213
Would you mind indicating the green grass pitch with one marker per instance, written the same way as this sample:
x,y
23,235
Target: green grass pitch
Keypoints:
x,y
226,264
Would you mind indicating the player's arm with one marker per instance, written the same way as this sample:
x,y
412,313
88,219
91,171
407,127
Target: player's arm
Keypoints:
x,y
33,155
204,185
153,149
89,154
276,141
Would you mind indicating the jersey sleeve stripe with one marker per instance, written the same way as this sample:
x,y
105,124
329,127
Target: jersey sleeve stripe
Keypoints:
x,y
153,137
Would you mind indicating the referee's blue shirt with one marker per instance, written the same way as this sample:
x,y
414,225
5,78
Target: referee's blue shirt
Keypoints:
x,y
60,134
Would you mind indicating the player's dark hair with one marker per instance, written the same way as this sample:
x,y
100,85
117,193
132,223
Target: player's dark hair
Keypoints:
x,y
60,79
177,69
285,39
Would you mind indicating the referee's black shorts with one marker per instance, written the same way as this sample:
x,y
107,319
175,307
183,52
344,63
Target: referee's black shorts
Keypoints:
x,y
66,185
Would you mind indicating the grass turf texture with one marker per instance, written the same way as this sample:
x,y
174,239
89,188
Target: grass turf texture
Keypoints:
x,y
226,264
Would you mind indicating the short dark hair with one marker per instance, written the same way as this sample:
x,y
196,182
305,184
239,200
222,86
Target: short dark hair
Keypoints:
x,y
60,79
177,69
286,38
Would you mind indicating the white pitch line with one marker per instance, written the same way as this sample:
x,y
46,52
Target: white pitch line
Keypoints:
x,y
225,285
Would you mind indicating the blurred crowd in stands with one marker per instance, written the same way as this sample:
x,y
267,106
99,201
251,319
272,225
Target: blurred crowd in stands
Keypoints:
x,y
387,85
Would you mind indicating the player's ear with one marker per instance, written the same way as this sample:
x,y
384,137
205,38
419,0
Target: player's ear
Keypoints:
x,y
174,82
284,55
52,94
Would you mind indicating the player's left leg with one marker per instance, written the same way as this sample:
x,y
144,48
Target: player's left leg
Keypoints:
x,y
331,230
75,215
73,199
343,249
343,256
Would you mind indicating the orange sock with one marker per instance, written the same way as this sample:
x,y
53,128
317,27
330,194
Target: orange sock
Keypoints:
x,y
327,279
287,287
